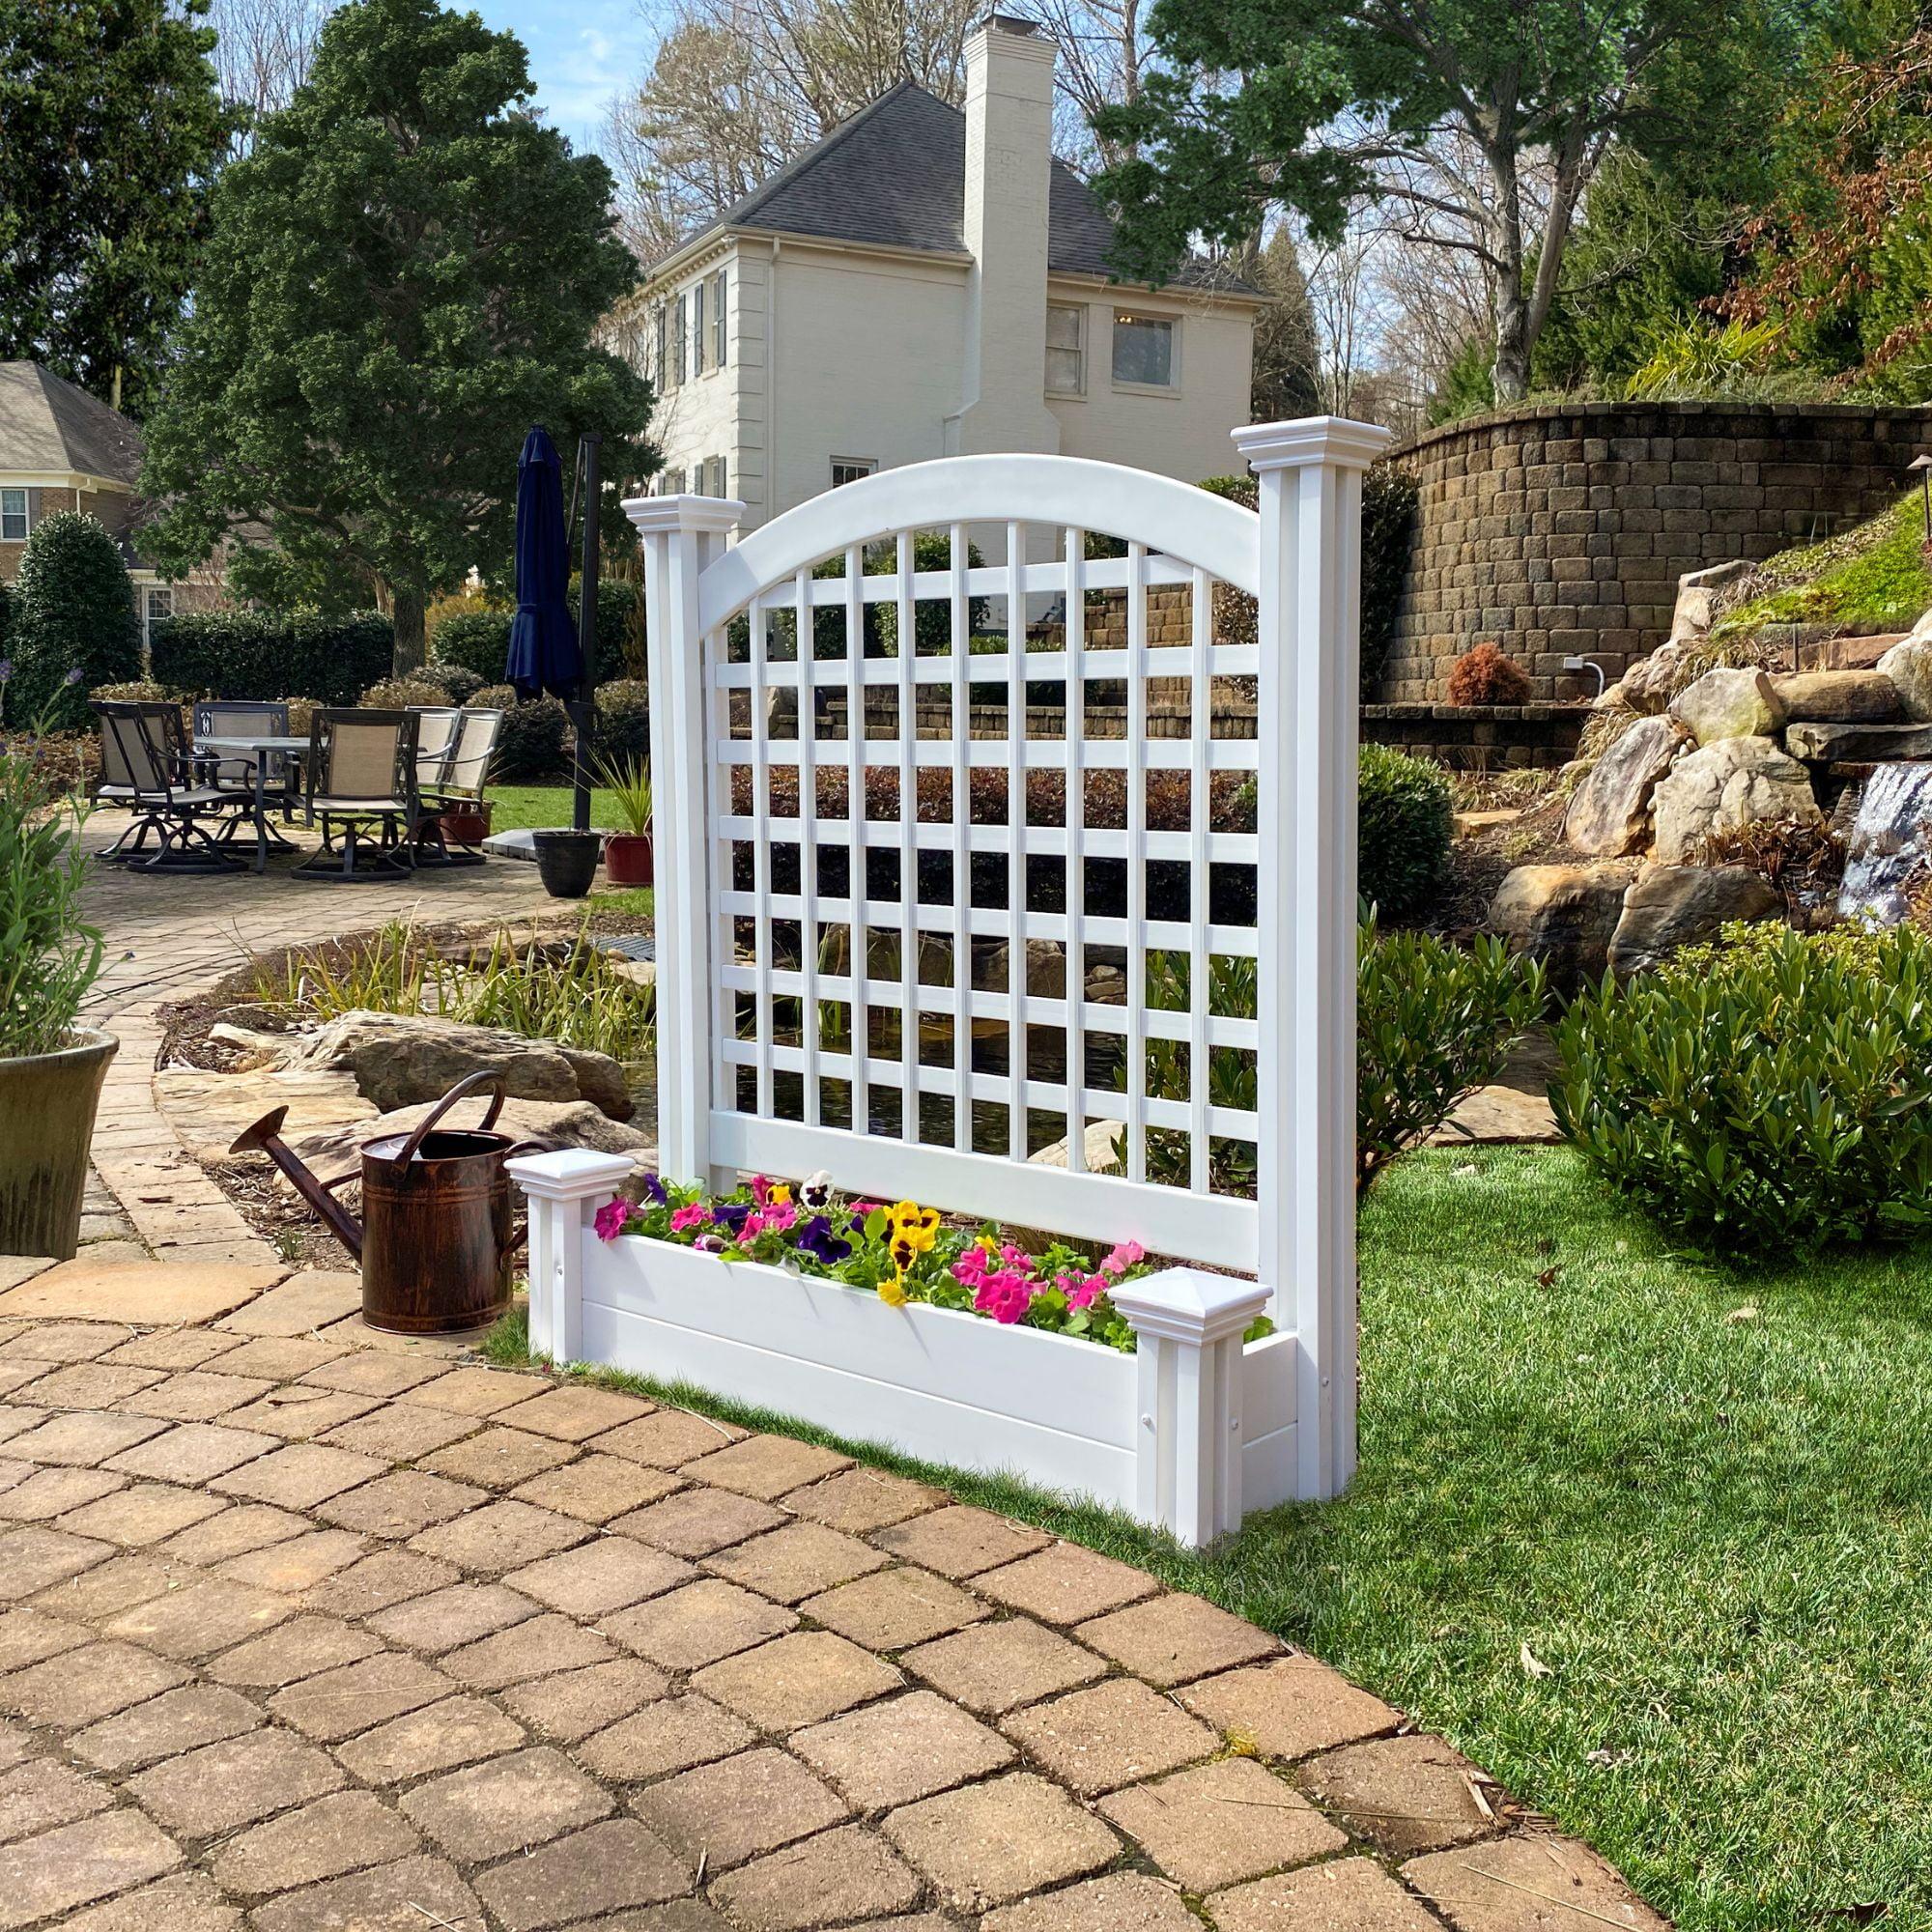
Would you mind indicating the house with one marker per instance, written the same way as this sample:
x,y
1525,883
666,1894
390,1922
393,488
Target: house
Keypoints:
x,y
63,449
925,282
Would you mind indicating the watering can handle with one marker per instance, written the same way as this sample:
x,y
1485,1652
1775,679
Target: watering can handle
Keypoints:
x,y
448,1100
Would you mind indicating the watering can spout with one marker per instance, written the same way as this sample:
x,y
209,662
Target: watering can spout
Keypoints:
x,y
266,1137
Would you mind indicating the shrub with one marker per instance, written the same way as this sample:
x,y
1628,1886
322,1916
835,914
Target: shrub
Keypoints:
x,y
477,636
624,721
1486,675
459,680
73,620
1406,822
476,639
49,955
531,749
274,655
397,693
1769,1095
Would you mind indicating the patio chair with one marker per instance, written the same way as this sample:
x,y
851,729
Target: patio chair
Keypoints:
x,y
146,764
466,774
234,771
361,774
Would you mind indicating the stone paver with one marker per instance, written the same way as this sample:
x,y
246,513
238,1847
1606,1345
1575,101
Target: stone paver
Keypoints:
x,y
310,1635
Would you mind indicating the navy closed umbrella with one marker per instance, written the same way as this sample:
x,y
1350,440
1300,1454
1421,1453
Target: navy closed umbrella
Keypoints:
x,y
543,655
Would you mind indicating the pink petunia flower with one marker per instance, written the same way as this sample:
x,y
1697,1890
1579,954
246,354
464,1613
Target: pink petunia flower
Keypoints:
x,y
692,1216
779,1218
1083,1291
1005,1296
611,1218
753,1227
970,1269
761,1188
1124,1258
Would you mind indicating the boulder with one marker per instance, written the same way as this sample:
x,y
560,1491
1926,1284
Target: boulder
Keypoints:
x,y
1692,616
1649,682
1909,667
1735,781
1563,915
1680,906
401,1059
1839,696
1858,743
547,1124
1889,851
1727,704
1609,811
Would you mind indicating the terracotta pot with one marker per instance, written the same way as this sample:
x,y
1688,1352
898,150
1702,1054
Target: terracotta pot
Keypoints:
x,y
467,824
567,861
47,1102
627,859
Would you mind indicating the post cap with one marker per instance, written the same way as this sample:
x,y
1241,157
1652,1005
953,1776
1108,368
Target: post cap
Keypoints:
x,y
570,1174
702,515
1186,1304
1294,445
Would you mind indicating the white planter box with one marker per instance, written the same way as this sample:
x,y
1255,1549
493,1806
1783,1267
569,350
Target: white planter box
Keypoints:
x,y
1186,1434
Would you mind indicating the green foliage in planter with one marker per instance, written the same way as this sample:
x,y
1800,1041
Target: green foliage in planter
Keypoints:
x,y
1407,819
1771,1094
532,748
73,620
272,655
1434,1021
49,955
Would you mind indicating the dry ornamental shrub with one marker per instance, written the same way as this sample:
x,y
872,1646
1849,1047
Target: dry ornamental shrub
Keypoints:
x,y
1486,675
397,693
1804,863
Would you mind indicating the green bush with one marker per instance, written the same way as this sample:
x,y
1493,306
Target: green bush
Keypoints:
x,y
1766,1095
532,748
478,641
274,655
624,721
398,694
1406,821
49,955
459,680
73,620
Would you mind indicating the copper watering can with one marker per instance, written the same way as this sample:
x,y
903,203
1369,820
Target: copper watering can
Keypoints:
x,y
436,1238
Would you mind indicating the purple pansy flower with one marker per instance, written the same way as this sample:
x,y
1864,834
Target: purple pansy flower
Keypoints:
x,y
817,1239
732,1214
653,1190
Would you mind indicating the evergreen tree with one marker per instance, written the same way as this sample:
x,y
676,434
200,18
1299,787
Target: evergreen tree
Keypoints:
x,y
402,276
111,123
73,620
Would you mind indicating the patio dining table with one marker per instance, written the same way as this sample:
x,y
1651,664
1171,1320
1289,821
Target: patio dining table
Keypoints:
x,y
260,749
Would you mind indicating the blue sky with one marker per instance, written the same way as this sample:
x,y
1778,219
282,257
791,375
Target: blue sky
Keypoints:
x,y
581,53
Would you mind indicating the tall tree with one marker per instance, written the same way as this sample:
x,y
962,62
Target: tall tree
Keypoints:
x,y
1285,380
1486,120
263,52
402,276
110,126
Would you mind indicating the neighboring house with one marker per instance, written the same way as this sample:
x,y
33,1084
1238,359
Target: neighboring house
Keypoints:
x,y
63,449
925,284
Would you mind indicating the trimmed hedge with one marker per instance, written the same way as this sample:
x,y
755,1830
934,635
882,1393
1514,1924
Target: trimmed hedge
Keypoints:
x,y
531,747
1406,821
624,722
479,640
271,655
73,620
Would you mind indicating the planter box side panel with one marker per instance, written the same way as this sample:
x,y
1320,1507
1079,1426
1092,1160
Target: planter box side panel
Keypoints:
x,y
948,1387
1268,1468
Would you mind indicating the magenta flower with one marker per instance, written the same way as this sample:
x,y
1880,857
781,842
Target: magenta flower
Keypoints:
x,y
1005,1296
970,1269
779,1218
611,1218
1124,1258
687,1218
1083,1291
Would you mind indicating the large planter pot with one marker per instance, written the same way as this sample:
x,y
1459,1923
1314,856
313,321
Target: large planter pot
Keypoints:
x,y
467,824
627,859
47,1102
567,861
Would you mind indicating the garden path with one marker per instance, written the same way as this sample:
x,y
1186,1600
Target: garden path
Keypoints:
x,y
327,1630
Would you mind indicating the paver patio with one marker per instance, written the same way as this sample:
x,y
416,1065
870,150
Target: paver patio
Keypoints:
x,y
284,1685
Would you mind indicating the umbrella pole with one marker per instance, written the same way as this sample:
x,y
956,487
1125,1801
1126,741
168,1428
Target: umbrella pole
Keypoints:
x,y
586,636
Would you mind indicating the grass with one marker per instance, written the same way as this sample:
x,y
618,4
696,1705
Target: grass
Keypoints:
x,y
1877,576
1702,1498
523,808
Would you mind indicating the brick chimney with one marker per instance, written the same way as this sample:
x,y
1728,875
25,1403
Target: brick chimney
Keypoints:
x,y
1008,158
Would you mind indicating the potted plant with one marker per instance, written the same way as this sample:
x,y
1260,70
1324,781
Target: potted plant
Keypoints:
x,y
51,1067
627,853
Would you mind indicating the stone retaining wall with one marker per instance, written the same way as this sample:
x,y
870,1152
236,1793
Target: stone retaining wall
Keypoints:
x,y
1561,530
1480,737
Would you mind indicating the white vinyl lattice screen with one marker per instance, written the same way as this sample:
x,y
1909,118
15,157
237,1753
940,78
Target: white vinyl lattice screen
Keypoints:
x,y
992,825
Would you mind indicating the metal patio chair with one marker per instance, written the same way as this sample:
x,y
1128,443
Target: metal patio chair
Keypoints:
x,y
147,765
234,771
361,773
466,774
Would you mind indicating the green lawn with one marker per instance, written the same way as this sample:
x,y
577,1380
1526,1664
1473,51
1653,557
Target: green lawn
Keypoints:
x,y
521,806
1702,1497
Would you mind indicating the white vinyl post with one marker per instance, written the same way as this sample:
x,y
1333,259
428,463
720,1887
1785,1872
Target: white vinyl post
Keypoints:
x,y
1309,630
1188,1325
682,535
565,1191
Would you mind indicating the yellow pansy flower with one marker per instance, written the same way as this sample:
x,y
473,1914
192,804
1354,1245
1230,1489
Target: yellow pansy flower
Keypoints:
x,y
893,1292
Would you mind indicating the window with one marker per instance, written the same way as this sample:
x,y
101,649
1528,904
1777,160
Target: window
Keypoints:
x,y
712,477
679,348
1065,361
671,483
661,355
850,469
717,312
1143,350
157,601
697,329
13,516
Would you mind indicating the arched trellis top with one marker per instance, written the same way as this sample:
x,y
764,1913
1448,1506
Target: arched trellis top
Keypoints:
x,y
1178,519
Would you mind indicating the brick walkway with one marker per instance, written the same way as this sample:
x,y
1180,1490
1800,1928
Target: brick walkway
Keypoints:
x,y
168,936
298,1634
